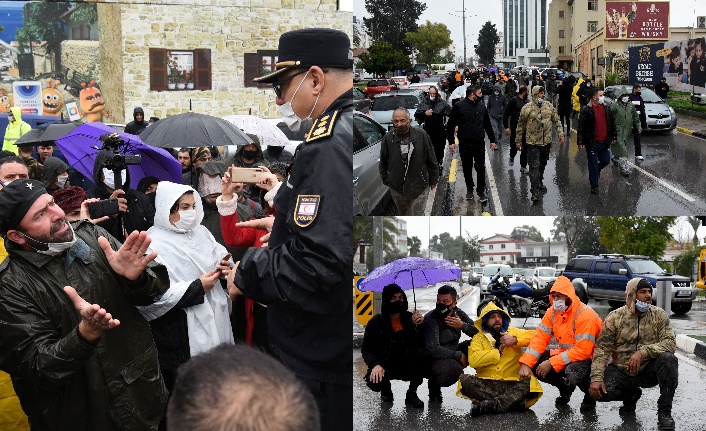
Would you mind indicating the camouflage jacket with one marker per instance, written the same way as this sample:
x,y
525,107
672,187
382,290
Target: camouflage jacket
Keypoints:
x,y
624,333
536,122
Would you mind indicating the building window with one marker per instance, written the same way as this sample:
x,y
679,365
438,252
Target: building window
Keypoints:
x,y
561,34
561,50
502,245
592,4
530,252
592,26
502,257
517,246
490,247
259,64
169,67
561,14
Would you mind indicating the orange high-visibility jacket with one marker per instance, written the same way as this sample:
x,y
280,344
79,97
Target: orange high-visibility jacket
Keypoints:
x,y
575,329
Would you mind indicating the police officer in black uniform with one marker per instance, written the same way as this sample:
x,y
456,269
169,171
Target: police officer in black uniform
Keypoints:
x,y
304,273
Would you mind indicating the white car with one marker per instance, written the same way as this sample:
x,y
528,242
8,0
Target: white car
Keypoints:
x,y
401,81
540,276
385,103
489,271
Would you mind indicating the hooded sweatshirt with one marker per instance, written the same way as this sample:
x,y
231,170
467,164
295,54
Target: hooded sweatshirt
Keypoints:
x,y
624,332
53,166
136,127
575,330
15,130
485,357
259,158
496,104
536,121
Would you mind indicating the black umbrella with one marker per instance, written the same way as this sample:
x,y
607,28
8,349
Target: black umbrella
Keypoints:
x,y
193,130
47,133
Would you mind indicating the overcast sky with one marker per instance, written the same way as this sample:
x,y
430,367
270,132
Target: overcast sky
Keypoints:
x,y
426,227
682,13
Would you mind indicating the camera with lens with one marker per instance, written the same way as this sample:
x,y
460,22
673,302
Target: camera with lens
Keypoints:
x,y
119,161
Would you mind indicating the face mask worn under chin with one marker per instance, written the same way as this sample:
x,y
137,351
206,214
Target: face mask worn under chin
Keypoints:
x,y
109,177
61,181
560,305
641,306
52,248
291,119
187,220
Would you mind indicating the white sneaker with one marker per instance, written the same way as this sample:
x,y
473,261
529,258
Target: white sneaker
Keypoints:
x,y
639,158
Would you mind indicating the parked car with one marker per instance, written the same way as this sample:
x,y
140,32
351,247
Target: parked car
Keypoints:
x,y
465,275
604,278
540,276
424,86
370,195
385,104
660,116
475,275
357,76
378,86
489,272
360,102
518,273
401,81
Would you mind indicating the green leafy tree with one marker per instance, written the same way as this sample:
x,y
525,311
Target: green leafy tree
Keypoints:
x,y
414,245
636,235
390,20
382,58
363,232
581,235
695,223
487,39
453,246
394,254
684,263
429,40
471,248
531,233
450,57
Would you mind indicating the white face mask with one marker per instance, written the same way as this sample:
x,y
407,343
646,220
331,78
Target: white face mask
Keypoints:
x,y
641,306
61,181
625,99
187,220
291,119
540,100
109,178
53,248
560,305
601,100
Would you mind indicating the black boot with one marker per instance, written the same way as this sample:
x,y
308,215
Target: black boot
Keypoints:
x,y
630,403
484,407
386,395
665,421
519,406
434,392
412,400
564,395
588,405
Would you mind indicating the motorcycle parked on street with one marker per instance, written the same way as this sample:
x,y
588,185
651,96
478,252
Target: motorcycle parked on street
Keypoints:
x,y
517,298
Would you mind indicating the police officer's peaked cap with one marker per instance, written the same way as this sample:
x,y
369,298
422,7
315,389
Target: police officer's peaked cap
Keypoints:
x,y
16,199
323,47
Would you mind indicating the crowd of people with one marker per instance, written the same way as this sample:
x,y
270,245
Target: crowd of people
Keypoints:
x,y
105,317
609,360
533,110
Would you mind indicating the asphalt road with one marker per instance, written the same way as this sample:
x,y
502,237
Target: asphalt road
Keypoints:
x,y
454,412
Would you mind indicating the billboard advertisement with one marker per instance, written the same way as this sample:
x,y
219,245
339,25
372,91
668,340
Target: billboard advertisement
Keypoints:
x,y
637,20
681,62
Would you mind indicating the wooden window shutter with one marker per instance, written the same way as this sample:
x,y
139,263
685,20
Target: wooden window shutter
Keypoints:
x,y
158,69
251,69
202,69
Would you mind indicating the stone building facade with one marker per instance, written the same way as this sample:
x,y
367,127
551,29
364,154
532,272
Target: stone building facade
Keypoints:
x,y
229,29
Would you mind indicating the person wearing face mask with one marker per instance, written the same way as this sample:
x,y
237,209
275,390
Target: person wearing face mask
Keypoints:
x,y
471,118
193,315
391,347
304,273
432,113
408,165
496,108
596,132
14,130
535,123
583,93
277,153
510,118
575,326
442,331
136,209
626,120
248,155
54,174
639,104
551,86
60,286
641,343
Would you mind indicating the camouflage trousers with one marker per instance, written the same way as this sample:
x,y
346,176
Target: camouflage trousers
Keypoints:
x,y
537,157
502,393
662,370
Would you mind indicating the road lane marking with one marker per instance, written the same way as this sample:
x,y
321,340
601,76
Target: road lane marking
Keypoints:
x,y
663,183
452,171
689,361
493,187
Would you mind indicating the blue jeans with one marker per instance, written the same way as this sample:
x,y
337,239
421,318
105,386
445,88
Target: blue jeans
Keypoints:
x,y
598,158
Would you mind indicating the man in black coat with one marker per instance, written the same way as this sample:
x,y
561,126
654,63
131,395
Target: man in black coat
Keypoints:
x,y
139,124
391,347
662,89
432,113
510,118
472,119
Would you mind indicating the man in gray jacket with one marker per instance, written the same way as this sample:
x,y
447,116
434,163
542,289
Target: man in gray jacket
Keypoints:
x,y
408,165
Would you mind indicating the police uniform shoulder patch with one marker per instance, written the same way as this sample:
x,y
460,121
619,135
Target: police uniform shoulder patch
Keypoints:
x,y
323,127
306,209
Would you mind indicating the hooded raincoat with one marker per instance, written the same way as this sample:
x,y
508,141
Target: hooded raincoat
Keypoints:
x,y
626,118
487,360
187,255
136,127
536,121
575,330
53,166
15,130
624,332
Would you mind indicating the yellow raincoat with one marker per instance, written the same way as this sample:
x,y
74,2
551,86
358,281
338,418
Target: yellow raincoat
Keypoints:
x,y
15,130
12,418
575,97
488,362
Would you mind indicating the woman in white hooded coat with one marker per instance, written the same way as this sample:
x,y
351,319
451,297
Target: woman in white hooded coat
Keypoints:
x,y
194,314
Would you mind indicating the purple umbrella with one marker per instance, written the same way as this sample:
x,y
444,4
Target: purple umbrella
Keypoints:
x,y
79,147
410,272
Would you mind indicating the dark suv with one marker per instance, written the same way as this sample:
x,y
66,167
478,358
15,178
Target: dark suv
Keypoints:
x,y
605,277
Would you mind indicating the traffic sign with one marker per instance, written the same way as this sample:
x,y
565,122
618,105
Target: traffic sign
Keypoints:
x,y
364,308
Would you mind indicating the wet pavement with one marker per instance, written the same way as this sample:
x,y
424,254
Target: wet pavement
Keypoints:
x,y
454,413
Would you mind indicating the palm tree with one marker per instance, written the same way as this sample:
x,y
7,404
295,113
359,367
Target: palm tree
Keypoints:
x,y
363,232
